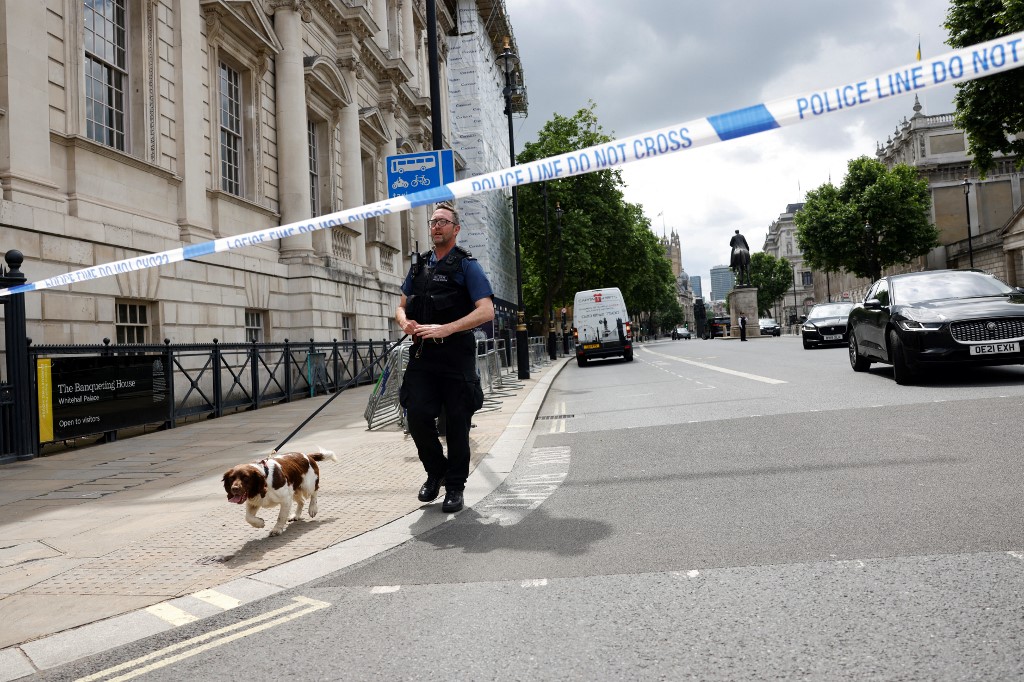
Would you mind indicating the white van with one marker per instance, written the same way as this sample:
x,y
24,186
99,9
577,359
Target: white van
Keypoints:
x,y
600,325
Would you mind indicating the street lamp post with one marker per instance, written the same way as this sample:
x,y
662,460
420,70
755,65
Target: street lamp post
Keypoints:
x,y
796,308
561,271
967,210
548,297
508,61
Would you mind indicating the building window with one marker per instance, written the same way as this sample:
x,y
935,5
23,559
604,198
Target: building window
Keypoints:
x,y
808,278
132,322
254,329
106,71
314,169
348,323
230,130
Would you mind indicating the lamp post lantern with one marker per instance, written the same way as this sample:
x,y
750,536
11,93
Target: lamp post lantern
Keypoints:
x,y
508,60
967,210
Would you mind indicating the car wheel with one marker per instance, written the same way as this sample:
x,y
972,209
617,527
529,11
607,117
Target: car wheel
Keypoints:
x,y
582,362
857,361
807,345
628,356
900,368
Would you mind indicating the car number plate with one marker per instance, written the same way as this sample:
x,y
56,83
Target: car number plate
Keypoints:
x,y
591,346
994,348
833,337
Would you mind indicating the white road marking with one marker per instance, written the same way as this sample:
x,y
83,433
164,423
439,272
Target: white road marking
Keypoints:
x,y
385,589
539,582
305,606
218,599
171,614
1016,555
723,370
692,574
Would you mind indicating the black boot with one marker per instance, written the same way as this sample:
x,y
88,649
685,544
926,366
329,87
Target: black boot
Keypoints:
x,y
452,501
431,489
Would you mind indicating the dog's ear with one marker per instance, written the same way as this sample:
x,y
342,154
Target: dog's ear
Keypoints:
x,y
255,485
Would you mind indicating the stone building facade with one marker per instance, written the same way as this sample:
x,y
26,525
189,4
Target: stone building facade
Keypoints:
x,y
138,126
780,242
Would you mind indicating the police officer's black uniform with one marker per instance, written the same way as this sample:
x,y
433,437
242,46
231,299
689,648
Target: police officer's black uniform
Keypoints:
x,y
441,372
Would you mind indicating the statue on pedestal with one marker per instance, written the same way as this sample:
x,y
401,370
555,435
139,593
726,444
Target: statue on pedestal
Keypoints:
x,y
740,259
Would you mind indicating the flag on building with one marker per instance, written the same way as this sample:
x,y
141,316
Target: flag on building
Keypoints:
x,y
918,48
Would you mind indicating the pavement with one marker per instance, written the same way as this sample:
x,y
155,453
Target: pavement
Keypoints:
x,y
104,545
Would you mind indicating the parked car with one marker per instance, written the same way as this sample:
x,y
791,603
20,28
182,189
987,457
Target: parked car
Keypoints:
x,y
719,326
922,320
769,327
680,333
826,325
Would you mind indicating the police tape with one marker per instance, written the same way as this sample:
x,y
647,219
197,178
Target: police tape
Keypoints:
x,y
983,59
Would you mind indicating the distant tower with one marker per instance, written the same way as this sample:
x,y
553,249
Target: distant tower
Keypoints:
x,y
673,252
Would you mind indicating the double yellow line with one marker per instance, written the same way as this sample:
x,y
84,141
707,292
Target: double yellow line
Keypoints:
x,y
211,640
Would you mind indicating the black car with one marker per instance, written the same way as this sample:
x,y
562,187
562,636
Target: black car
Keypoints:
x,y
944,317
769,327
826,324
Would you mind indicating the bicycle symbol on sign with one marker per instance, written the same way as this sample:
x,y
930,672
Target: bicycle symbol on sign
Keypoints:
x,y
420,180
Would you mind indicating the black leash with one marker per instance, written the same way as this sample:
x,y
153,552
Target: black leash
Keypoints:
x,y
383,356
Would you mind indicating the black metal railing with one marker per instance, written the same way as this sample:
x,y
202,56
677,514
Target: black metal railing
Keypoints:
x,y
211,379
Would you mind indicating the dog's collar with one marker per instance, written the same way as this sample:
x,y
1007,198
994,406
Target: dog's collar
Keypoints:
x,y
266,470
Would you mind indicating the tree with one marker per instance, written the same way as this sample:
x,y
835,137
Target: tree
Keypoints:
x,y
877,218
604,240
988,109
772,276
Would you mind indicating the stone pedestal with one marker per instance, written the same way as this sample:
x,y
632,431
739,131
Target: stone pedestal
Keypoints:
x,y
743,301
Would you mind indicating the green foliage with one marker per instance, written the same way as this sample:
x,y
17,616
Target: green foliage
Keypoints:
x,y
600,239
894,203
988,109
772,276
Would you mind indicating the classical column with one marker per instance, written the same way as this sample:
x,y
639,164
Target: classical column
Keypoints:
x,y
24,96
194,223
380,17
392,221
292,143
409,42
351,161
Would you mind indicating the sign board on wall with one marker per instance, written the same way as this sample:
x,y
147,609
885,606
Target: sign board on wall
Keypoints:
x,y
84,395
408,173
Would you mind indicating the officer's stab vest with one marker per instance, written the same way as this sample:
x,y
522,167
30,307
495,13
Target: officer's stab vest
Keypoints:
x,y
436,297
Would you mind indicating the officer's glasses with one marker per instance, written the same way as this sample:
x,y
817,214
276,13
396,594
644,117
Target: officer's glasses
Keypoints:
x,y
439,222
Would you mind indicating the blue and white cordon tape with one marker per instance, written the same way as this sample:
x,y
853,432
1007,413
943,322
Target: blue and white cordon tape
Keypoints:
x,y
984,59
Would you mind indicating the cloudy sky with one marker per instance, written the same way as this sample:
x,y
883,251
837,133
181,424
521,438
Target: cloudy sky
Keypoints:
x,y
654,63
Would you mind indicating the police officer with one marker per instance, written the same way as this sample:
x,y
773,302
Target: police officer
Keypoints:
x,y
444,297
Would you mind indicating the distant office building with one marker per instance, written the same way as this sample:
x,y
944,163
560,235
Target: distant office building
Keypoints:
x,y
722,282
695,287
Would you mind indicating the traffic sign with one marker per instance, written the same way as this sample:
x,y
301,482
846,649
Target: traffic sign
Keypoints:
x,y
408,173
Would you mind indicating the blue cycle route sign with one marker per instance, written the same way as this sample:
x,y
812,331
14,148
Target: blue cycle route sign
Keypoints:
x,y
408,173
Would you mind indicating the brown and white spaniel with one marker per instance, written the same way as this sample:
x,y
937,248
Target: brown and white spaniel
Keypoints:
x,y
277,480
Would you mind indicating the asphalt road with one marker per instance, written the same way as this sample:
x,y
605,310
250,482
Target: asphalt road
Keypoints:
x,y
712,510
